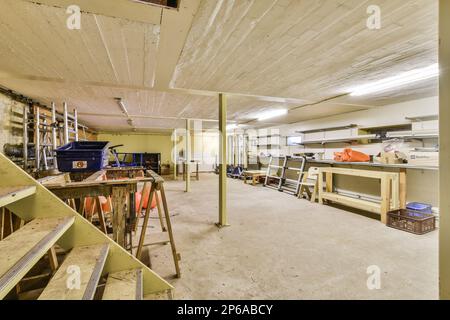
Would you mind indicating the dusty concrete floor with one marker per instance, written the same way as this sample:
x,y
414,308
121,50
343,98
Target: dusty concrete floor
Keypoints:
x,y
279,247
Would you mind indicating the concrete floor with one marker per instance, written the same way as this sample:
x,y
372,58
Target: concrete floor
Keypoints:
x,y
279,247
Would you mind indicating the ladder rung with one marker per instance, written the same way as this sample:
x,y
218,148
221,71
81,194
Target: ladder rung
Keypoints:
x,y
274,177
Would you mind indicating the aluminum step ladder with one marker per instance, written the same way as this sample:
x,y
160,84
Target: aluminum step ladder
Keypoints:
x,y
277,176
292,186
283,182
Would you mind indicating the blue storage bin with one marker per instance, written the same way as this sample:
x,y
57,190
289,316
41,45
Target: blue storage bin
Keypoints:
x,y
421,207
82,156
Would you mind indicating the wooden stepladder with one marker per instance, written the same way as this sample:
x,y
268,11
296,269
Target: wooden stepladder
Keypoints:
x,y
157,187
310,181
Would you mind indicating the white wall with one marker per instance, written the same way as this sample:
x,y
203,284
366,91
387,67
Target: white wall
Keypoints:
x,y
422,185
380,116
7,134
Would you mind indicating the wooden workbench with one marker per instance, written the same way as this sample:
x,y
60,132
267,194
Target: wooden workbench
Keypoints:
x,y
254,175
393,190
121,186
122,192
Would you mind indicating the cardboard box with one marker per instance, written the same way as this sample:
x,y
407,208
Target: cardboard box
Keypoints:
x,y
418,158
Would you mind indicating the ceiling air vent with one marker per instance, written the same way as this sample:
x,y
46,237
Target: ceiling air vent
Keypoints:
x,y
164,3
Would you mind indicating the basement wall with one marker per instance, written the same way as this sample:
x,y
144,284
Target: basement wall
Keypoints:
x,y
422,185
204,146
145,143
7,133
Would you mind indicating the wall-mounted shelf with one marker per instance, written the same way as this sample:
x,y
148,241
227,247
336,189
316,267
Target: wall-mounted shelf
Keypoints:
x,y
418,136
372,164
344,139
423,118
350,126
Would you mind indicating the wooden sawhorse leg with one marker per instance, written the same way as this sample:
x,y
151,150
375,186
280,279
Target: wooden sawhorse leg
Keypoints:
x,y
161,219
145,224
119,196
176,257
101,215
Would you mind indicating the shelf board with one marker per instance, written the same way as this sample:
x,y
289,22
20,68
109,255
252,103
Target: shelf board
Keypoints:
x,y
414,136
346,139
423,118
350,126
375,164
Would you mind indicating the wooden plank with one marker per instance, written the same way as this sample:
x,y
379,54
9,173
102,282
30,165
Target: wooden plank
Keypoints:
x,y
12,194
61,179
395,189
402,191
98,183
175,254
97,176
385,198
145,223
124,285
351,202
119,199
53,259
21,250
90,261
101,215
160,215
358,173
329,181
320,183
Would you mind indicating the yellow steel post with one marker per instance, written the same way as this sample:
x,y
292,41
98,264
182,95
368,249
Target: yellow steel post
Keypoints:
x,y
187,157
175,154
444,141
223,219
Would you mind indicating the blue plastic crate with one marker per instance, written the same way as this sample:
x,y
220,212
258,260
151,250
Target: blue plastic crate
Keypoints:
x,y
82,156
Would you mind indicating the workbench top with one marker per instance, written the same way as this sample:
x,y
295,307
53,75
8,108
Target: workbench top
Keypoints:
x,y
379,165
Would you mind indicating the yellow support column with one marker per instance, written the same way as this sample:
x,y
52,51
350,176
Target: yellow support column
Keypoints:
x,y
175,154
223,219
187,166
444,141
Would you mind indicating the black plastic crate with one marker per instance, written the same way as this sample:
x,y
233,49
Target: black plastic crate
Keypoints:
x,y
82,156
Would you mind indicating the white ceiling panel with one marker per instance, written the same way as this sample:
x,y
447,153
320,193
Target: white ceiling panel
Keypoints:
x,y
307,50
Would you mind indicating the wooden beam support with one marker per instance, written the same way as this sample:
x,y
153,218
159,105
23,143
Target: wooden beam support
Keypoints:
x,y
187,157
175,154
444,142
223,218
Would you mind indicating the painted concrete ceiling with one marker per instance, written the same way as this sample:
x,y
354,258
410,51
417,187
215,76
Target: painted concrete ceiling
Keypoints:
x,y
168,65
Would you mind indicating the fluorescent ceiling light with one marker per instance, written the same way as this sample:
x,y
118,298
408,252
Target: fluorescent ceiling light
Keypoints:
x,y
122,106
272,114
397,81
